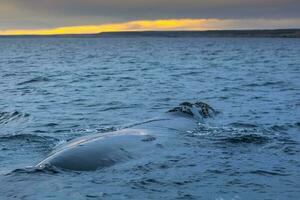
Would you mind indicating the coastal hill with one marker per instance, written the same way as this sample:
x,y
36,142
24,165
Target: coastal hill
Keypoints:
x,y
280,33
277,33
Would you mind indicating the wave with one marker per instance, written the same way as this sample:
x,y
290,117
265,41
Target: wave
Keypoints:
x,y
47,169
243,125
284,127
266,173
273,136
6,117
28,137
267,83
247,138
237,133
34,80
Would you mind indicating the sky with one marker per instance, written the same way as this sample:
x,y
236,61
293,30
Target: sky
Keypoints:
x,y
93,16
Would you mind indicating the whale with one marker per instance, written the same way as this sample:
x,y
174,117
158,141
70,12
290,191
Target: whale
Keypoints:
x,y
92,152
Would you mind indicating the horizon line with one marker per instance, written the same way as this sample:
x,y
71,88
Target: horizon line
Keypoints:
x,y
153,31
184,24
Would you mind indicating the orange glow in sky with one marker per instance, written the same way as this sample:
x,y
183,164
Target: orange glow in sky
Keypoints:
x,y
140,25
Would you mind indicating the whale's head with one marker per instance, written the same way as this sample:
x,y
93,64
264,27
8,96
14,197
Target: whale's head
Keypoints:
x,y
197,110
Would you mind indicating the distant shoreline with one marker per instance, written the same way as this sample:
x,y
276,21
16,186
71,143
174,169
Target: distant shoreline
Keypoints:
x,y
276,33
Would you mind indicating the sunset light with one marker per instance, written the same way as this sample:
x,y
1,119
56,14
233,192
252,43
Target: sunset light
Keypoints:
x,y
140,25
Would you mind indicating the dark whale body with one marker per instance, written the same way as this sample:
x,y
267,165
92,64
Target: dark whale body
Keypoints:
x,y
106,149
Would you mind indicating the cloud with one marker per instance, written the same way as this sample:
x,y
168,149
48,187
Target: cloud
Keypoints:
x,y
52,13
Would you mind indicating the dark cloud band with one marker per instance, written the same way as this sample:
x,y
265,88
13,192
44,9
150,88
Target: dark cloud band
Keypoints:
x,y
72,12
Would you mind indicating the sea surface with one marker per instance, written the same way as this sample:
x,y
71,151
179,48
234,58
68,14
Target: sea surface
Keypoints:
x,y
56,89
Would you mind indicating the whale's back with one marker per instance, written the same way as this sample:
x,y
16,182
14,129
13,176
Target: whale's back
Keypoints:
x,y
90,153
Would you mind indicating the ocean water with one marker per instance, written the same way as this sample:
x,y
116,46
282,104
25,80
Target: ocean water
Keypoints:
x,y
57,89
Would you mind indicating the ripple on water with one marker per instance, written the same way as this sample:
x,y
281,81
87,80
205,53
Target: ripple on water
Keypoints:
x,y
267,83
245,139
27,137
47,169
34,80
235,133
268,173
6,117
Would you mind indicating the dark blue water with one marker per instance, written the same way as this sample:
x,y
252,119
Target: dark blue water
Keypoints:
x,y
56,89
